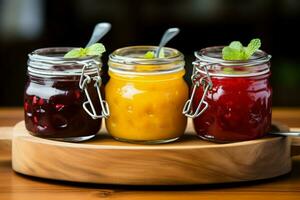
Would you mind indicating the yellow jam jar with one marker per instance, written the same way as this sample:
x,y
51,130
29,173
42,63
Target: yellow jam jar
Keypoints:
x,y
146,96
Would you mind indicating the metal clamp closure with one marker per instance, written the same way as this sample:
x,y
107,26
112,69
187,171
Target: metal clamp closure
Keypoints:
x,y
197,81
86,79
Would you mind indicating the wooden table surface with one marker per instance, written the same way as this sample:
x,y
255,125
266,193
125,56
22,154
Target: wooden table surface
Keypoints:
x,y
16,186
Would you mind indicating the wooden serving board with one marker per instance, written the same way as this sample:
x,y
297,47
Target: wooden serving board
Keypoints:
x,y
187,161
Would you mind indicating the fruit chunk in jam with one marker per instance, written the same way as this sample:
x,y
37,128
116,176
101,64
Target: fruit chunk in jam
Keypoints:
x,y
53,108
239,108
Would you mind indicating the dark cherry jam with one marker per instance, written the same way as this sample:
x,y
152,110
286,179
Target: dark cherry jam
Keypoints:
x,y
54,109
234,97
53,100
239,109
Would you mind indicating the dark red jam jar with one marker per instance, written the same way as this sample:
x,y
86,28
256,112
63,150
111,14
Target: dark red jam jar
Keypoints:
x,y
62,98
230,100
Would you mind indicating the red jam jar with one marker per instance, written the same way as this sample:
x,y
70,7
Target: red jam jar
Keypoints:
x,y
230,100
62,97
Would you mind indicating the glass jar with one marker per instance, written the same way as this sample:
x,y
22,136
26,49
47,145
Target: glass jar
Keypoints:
x,y
230,100
146,96
62,98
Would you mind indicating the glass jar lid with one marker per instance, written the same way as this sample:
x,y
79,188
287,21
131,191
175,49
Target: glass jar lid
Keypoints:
x,y
131,60
211,57
49,62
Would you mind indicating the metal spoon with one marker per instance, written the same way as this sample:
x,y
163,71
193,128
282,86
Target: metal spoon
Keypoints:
x,y
99,31
295,134
168,35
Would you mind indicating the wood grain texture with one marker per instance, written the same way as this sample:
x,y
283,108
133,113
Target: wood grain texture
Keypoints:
x,y
295,151
188,161
5,141
16,187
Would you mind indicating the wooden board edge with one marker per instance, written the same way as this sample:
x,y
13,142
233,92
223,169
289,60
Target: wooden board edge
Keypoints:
x,y
116,174
295,151
6,133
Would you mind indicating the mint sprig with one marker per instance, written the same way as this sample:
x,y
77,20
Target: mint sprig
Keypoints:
x,y
236,51
151,54
94,50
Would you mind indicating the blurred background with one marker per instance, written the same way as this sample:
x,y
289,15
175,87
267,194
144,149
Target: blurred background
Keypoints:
x,y
26,25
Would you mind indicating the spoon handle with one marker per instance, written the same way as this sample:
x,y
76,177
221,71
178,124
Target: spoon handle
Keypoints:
x,y
294,134
99,31
168,35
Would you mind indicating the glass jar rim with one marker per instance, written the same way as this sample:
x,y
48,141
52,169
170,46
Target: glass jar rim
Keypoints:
x,y
214,55
49,62
210,62
130,60
128,55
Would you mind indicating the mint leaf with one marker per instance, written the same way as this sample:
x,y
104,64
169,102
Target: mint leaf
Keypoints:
x,y
149,55
236,45
95,50
74,53
252,47
228,70
231,54
236,51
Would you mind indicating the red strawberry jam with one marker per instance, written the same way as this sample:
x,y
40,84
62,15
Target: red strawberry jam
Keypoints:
x,y
239,109
239,99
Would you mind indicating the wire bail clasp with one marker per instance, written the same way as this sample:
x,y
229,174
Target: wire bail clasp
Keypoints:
x,y
198,81
86,79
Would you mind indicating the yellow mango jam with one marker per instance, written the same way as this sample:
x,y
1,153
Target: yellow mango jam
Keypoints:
x,y
145,103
